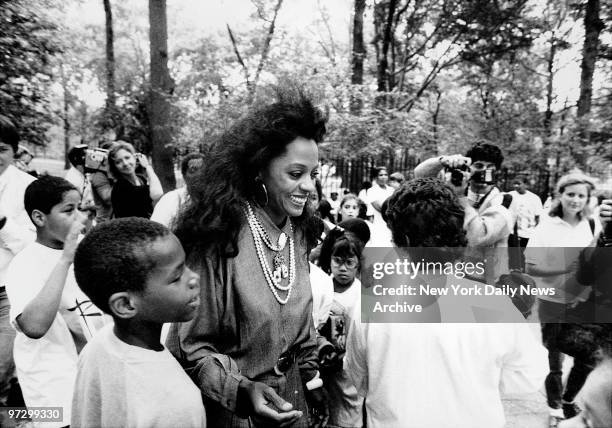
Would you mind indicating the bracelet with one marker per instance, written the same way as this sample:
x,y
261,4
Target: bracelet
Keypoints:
x,y
315,383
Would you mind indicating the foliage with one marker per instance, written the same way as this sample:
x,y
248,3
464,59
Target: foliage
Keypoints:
x,y
27,44
459,71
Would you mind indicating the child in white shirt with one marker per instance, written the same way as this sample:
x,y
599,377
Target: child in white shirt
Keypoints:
x,y
134,269
340,256
45,302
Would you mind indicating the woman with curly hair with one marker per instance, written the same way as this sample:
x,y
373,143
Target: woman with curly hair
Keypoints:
x,y
455,369
252,347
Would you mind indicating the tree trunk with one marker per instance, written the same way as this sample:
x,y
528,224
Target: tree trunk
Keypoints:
x,y
592,27
382,78
65,119
358,55
549,88
435,116
161,89
110,66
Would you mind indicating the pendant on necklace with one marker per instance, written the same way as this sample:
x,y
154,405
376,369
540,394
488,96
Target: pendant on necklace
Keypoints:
x,y
276,276
282,240
280,266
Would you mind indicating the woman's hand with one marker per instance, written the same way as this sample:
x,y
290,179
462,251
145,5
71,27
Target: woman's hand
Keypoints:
x,y
142,159
265,405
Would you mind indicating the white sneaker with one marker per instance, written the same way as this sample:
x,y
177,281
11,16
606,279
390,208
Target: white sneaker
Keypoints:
x,y
557,413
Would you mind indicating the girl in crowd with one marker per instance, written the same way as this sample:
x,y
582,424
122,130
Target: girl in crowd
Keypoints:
x,y
135,192
351,207
251,347
340,257
549,259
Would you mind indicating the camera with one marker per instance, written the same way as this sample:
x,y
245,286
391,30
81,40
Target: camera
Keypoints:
x,y
484,176
455,175
96,160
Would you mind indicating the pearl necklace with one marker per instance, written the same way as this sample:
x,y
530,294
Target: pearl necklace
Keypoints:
x,y
273,278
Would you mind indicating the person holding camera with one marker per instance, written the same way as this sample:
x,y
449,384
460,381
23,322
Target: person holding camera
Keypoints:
x,y
102,186
78,177
135,191
489,215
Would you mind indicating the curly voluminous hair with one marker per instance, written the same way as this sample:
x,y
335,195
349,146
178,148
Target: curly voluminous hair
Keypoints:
x,y
425,212
214,217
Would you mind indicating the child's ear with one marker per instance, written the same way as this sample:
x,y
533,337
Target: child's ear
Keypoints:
x,y
38,218
121,305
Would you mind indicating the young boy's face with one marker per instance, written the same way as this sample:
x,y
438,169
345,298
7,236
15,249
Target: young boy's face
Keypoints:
x,y
61,217
172,290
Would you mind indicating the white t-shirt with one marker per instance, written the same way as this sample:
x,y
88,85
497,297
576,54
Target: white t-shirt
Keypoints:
x,y
528,206
556,244
380,195
345,404
167,209
121,385
442,375
19,229
322,294
46,367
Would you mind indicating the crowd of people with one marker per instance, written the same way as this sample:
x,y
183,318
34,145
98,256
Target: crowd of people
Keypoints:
x,y
235,301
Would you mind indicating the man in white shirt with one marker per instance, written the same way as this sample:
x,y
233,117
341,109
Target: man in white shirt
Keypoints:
x,y
16,231
528,208
377,195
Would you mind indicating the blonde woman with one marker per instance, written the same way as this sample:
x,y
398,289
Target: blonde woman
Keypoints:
x,y
551,257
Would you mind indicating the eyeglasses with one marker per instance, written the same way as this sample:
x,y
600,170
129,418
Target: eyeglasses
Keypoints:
x,y
349,263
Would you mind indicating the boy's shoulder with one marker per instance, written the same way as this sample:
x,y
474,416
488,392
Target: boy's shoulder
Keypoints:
x,y
33,252
98,351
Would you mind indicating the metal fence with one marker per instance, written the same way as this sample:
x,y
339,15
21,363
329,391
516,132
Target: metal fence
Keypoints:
x,y
340,174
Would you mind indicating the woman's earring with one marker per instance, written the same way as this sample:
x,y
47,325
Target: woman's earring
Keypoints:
x,y
261,193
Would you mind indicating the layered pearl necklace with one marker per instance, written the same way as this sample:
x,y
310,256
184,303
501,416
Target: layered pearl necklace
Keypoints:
x,y
273,277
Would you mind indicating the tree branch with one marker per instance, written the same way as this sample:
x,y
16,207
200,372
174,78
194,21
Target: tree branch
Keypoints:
x,y
266,47
239,57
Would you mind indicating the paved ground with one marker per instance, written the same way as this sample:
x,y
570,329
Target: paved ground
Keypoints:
x,y
526,411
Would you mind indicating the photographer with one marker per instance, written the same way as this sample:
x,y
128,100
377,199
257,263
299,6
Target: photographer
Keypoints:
x,y
77,176
101,188
488,217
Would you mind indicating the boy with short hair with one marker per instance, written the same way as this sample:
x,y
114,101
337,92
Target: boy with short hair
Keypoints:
x,y
45,300
134,269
